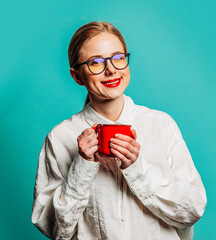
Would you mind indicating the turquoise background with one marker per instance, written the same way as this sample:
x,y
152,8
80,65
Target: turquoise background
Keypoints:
x,y
173,56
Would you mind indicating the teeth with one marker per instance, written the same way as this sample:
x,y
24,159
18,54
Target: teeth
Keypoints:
x,y
111,82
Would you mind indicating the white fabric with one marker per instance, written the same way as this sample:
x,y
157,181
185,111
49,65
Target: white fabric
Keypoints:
x,y
160,196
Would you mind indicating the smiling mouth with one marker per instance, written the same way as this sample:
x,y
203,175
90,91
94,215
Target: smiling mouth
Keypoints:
x,y
112,83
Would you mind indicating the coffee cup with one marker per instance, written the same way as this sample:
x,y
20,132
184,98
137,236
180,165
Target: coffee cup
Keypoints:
x,y
106,132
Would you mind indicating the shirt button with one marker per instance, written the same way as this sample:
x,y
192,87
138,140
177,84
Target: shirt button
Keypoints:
x,y
132,184
122,219
126,173
140,195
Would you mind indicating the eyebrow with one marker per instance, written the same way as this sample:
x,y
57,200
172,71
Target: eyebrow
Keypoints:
x,y
100,56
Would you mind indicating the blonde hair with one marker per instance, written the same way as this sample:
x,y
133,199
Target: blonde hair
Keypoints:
x,y
85,33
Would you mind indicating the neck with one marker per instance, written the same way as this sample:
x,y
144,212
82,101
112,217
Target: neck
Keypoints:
x,y
110,109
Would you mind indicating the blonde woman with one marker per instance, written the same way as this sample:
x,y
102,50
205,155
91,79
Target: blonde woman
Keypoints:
x,y
149,190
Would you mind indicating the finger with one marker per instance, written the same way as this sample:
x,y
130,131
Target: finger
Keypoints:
x,y
84,141
92,143
118,154
121,143
87,133
126,138
133,134
123,151
125,162
91,151
95,127
91,137
89,154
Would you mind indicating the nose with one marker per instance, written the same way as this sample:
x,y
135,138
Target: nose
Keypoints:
x,y
110,69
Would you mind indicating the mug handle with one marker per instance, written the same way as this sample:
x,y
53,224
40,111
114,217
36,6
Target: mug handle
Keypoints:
x,y
97,127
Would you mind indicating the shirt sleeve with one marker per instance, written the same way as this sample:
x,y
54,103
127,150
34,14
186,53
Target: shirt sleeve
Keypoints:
x,y
179,199
59,200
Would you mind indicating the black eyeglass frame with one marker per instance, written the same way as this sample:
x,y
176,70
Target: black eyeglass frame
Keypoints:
x,y
105,59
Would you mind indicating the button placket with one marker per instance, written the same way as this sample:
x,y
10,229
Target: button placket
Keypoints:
x,y
121,196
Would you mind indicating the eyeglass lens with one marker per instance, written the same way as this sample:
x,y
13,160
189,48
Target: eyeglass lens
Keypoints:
x,y
119,61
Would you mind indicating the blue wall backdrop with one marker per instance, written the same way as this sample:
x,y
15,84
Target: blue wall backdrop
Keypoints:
x,y
173,50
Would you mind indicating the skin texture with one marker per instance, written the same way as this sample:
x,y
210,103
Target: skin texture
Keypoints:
x,y
107,101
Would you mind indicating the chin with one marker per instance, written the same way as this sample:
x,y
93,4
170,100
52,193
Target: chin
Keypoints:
x,y
115,95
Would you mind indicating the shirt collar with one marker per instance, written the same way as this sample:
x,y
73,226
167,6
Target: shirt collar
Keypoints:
x,y
91,116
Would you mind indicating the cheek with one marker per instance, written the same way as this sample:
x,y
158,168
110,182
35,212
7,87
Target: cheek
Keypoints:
x,y
92,81
127,74
87,77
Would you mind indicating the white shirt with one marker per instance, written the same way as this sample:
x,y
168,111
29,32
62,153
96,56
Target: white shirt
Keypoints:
x,y
159,197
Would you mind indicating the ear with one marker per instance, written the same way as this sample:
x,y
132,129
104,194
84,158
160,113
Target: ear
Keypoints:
x,y
75,75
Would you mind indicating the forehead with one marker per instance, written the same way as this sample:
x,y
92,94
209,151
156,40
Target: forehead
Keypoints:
x,y
103,44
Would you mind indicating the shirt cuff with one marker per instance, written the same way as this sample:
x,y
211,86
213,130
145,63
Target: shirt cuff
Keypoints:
x,y
138,178
80,177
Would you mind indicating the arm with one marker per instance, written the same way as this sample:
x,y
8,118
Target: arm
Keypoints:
x,y
59,199
178,199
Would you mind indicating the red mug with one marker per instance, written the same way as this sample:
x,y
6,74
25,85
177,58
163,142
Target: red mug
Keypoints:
x,y
106,132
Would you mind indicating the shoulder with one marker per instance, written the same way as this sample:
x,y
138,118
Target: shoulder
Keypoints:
x,y
142,113
153,114
67,129
146,112
156,120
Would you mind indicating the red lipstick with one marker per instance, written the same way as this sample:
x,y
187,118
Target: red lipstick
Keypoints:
x,y
112,83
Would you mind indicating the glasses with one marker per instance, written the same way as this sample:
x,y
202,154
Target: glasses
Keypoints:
x,y
99,64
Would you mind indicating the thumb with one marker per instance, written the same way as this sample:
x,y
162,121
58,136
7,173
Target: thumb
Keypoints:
x,y
133,134
94,126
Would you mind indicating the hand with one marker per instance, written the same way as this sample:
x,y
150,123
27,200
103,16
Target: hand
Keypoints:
x,y
125,148
88,144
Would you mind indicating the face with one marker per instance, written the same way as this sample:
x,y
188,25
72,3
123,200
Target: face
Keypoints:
x,y
112,82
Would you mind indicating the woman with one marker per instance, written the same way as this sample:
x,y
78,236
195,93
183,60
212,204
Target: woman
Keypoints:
x,y
149,190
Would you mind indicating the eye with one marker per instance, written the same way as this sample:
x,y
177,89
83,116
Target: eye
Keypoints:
x,y
96,61
119,56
